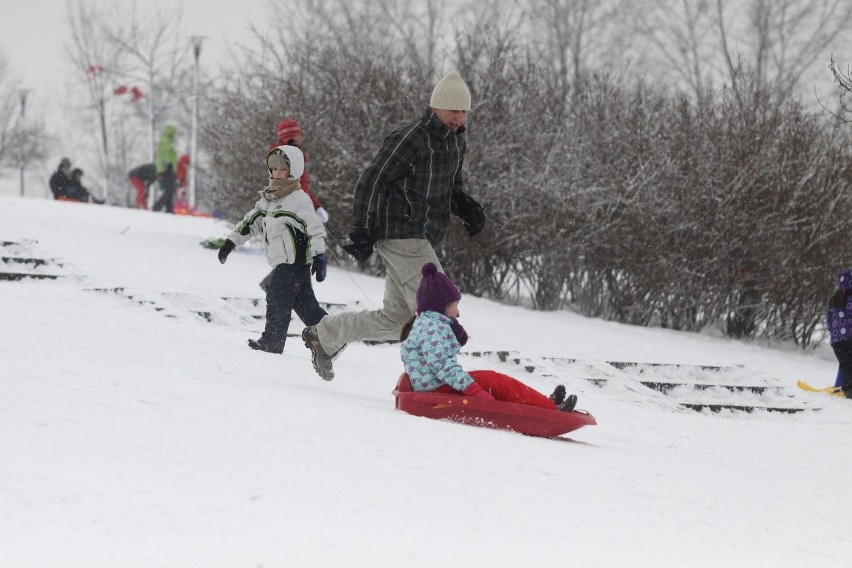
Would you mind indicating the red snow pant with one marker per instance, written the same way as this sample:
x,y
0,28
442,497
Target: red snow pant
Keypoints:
x,y
139,186
507,389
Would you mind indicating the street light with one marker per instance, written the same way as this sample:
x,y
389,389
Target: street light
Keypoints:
x,y
193,141
96,75
22,92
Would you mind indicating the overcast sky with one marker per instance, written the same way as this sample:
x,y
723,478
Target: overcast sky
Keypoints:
x,y
33,34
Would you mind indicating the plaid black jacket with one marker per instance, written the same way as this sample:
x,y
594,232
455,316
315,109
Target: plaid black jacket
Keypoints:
x,y
405,192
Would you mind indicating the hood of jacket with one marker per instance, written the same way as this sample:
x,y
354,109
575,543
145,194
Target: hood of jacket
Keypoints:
x,y
294,156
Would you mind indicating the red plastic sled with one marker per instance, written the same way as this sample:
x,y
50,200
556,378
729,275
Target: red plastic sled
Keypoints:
x,y
521,418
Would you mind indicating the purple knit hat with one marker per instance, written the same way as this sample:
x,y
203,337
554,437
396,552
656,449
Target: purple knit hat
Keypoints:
x,y
844,281
436,291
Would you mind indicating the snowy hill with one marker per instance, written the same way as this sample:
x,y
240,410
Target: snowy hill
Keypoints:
x,y
138,429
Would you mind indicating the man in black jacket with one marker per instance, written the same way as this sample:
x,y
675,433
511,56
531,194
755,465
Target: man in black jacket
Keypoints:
x,y
402,207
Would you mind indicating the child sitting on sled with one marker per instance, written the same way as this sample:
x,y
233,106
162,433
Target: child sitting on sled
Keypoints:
x,y
432,339
295,247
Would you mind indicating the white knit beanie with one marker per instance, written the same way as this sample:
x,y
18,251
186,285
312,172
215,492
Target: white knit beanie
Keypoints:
x,y
450,93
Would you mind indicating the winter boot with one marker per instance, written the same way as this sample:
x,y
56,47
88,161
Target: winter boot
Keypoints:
x,y
569,404
558,396
320,359
258,346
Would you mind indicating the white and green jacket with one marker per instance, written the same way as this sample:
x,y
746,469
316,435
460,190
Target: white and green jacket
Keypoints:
x,y
289,226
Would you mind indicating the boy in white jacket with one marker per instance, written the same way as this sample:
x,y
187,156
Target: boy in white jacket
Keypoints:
x,y
295,247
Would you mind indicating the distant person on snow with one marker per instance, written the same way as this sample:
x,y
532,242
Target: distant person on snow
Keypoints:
x,y
432,339
290,134
76,191
285,219
61,179
182,205
167,168
141,178
839,318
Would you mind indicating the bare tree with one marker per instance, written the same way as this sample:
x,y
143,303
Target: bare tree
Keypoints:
x,y
578,34
636,202
94,59
153,53
682,35
21,141
117,49
843,79
756,48
782,39
8,105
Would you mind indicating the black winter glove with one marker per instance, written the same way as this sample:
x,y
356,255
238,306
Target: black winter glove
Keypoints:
x,y
225,250
362,243
466,207
318,267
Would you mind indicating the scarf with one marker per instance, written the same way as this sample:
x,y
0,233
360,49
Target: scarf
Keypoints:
x,y
461,334
279,188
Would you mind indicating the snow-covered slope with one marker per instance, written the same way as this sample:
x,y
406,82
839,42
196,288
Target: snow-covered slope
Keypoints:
x,y
138,429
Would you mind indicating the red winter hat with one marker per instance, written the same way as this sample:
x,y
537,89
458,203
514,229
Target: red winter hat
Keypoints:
x,y
287,129
436,291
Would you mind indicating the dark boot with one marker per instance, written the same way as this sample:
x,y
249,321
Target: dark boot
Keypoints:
x,y
258,346
558,396
569,404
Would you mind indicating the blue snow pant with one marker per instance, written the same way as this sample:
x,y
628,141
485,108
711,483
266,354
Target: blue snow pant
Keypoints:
x,y
289,289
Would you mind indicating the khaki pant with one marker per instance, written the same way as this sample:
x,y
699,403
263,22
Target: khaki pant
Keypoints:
x,y
403,259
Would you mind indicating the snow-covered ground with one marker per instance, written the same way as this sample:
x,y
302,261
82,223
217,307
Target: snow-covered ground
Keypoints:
x,y
136,433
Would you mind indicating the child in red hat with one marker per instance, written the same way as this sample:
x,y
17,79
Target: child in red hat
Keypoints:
x,y
432,340
289,133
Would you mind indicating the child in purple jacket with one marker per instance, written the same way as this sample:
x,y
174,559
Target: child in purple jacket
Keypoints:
x,y
839,317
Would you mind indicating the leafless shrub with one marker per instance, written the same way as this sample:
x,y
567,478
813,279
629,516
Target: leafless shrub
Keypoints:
x,y
625,200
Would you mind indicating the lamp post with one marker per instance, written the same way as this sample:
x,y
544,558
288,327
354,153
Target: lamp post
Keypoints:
x,y
22,93
193,141
96,75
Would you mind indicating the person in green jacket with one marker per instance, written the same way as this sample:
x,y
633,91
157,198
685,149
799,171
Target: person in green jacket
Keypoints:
x,y
167,168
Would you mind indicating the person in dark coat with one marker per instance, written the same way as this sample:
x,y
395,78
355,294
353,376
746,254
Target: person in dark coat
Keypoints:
x,y
77,191
402,207
141,178
60,180
839,319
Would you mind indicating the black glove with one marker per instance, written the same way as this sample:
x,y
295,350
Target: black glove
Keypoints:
x,y
362,243
318,267
469,210
225,250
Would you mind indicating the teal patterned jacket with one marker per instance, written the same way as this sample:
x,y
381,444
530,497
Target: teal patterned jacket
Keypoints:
x,y
429,354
